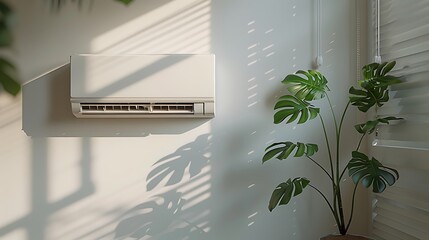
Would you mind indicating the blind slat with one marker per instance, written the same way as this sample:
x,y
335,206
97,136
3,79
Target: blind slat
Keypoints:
x,y
416,227
400,227
411,213
405,39
383,231
406,197
402,211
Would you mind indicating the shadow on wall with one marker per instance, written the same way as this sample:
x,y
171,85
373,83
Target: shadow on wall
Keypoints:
x,y
175,166
47,113
181,211
170,28
42,209
161,218
177,206
178,203
173,28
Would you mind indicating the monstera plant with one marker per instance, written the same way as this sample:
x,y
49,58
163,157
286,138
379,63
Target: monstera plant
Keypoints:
x,y
304,88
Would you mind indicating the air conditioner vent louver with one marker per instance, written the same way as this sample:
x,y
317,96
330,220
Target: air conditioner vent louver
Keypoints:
x,y
178,107
137,108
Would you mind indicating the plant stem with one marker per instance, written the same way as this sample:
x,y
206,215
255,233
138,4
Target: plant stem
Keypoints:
x,y
341,211
339,136
327,145
357,148
337,194
336,188
334,185
320,166
360,141
344,114
333,114
327,201
353,205
344,171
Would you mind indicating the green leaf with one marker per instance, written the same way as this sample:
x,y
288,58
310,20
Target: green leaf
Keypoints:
x,y
301,150
5,9
8,78
370,126
367,98
287,151
291,107
9,84
374,86
381,81
311,149
388,67
126,2
298,188
379,68
284,149
307,86
373,71
5,19
5,36
371,172
286,190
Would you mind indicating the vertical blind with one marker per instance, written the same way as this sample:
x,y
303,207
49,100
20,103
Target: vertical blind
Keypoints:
x,y
402,211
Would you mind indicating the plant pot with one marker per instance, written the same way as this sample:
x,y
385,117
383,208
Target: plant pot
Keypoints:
x,y
344,237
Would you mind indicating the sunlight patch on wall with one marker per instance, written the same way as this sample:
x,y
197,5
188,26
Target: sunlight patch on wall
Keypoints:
x,y
93,217
258,52
14,190
16,234
64,169
181,26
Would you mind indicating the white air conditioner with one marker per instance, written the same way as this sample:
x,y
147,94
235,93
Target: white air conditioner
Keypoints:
x,y
143,86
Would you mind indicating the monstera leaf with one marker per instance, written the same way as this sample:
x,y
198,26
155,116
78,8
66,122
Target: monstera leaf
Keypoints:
x,y
369,126
374,86
284,149
371,172
375,75
292,107
286,190
366,98
311,85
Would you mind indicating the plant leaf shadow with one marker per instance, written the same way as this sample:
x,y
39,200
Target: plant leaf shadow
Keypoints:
x,y
181,210
192,157
149,220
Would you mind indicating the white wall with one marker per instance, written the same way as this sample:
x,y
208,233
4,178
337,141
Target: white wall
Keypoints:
x,y
101,179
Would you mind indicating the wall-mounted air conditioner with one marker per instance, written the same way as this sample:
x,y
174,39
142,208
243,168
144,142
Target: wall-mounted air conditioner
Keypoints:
x,y
143,86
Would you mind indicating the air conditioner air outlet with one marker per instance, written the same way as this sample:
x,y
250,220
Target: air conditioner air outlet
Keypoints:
x,y
137,108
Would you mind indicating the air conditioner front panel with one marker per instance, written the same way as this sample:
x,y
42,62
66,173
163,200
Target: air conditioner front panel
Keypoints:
x,y
132,86
148,76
